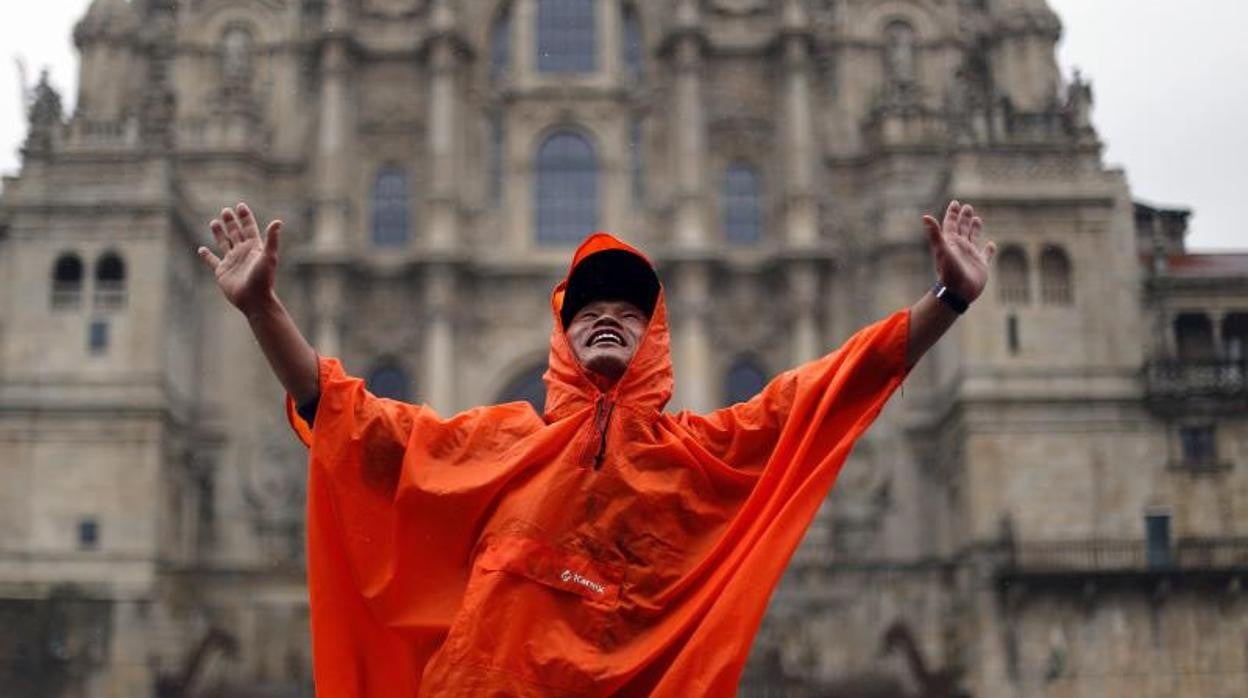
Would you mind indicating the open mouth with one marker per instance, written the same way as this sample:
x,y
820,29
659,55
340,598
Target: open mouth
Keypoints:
x,y
605,337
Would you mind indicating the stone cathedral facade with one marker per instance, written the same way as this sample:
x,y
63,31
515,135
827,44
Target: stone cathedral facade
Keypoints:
x,y
1055,505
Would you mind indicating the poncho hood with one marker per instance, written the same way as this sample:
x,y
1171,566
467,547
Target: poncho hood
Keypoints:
x,y
646,385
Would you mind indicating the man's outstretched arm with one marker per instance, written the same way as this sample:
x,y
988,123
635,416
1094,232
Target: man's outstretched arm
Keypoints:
x,y
962,260
246,274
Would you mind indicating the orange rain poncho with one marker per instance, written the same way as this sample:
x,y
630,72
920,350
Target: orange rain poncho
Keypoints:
x,y
603,548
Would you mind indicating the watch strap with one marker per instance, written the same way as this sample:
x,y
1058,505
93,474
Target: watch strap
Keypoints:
x,y
949,298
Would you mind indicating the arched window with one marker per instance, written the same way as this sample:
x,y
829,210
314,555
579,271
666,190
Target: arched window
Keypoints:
x,y
1012,276
388,379
110,281
498,155
1193,337
566,189
237,46
529,387
630,42
900,53
390,214
500,43
67,281
1055,284
745,379
565,36
741,202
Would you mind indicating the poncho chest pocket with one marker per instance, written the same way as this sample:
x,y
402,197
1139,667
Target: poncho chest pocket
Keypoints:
x,y
537,612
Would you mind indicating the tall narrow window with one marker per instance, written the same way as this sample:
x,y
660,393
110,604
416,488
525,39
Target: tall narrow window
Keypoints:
x,y
1235,337
1193,337
1013,283
389,380
900,53
528,387
636,151
630,43
498,155
88,533
67,281
566,36
1157,528
566,189
97,337
110,282
390,209
500,44
1011,335
1055,282
745,380
742,206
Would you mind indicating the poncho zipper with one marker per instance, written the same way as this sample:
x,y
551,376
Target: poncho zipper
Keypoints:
x,y
602,418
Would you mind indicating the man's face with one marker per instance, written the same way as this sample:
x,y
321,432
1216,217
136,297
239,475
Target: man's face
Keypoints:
x,y
604,336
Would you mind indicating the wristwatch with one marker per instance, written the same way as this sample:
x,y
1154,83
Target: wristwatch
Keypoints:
x,y
949,298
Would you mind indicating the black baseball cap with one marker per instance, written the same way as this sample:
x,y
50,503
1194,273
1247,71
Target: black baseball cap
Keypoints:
x,y
610,275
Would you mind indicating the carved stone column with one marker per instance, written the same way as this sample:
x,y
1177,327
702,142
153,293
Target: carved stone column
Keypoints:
x,y
327,310
444,50
695,387
438,371
800,157
692,342
689,129
334,135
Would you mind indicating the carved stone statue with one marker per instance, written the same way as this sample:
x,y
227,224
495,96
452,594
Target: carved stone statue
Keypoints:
x,y
236,50
45,115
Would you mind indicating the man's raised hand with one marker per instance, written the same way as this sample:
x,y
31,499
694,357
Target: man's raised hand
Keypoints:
x,y
247,269
961,257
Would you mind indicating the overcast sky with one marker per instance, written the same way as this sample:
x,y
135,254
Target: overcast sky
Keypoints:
x,y
1169,79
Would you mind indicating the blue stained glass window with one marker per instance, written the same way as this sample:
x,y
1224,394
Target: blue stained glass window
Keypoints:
x,y
529,387
390,210
745,380
500,44
631,43
97,337
565,36
389,380
566,189
742,205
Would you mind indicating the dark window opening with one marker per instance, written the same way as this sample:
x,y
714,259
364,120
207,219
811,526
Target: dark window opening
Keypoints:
x,y
110,282
97,340
66,281
1157,527
1055,277
88,534
1012,277
1193,334
389,381
1011,334
1199,445
745,380
528,387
